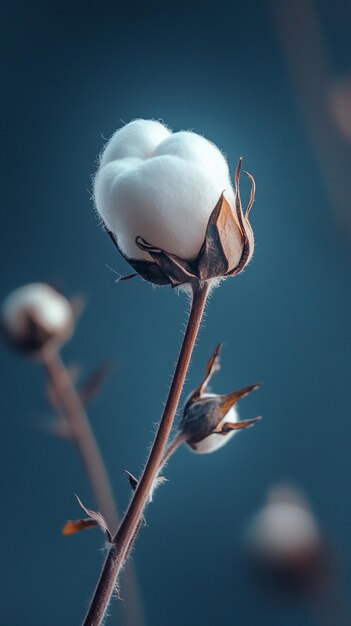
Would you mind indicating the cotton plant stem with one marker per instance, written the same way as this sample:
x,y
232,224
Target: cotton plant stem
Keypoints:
x,y
73,410
127,531
82,434
171,448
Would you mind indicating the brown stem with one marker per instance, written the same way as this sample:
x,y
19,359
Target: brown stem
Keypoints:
x,y
72,408
83,437
171,448
129,525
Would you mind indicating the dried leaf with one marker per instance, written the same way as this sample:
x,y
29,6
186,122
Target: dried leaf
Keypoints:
x,y
244,223
74,526
97,518
218,253
91,387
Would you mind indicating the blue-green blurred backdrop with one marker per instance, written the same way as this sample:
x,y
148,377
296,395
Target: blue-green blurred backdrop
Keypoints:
x,y
71,74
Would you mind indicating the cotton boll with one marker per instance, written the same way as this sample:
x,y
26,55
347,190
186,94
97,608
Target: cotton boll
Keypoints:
x,y
35,314
285,530
216,441
163,193
198,150
138,139
166,200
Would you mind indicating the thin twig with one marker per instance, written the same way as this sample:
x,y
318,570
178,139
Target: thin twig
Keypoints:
x,y
129,526
71,407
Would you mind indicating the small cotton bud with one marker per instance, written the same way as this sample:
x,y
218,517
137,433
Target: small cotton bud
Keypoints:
x,y
156,191
36,315
285,533
210,420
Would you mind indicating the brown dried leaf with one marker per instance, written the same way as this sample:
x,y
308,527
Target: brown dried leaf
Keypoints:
x,y
74,526
218,252
91,387
97,518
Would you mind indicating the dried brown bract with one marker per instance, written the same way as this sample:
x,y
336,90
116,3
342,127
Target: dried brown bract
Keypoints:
x,y
217,257
209,418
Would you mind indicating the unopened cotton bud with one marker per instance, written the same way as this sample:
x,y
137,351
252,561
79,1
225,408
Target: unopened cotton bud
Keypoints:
x,y
156,192
285,532
210,420
35,315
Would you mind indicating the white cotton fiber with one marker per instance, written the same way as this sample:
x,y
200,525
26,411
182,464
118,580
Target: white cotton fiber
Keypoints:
x,y
160,186
50,309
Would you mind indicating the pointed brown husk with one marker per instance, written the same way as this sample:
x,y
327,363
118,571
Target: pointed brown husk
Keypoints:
x,y
202,414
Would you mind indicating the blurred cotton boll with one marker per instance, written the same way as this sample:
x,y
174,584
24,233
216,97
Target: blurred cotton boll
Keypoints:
x,y
285,531
36,315
162,187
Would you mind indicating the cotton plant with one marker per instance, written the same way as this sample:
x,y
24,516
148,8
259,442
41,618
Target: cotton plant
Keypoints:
x,y
36,320
168,203
291,557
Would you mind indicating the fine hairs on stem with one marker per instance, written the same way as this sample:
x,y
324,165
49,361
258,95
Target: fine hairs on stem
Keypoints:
x,y
125,536
69,404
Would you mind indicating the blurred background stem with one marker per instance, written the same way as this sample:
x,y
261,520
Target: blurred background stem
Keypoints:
x,y
70,407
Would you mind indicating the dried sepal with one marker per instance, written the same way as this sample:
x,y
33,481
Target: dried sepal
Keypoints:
x,y
132,480
93,519
158,481
228,400
213,366
227,427
217,257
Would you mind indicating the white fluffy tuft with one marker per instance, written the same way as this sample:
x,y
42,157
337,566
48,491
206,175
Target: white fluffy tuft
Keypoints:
x,y
283,529
160,186
50,309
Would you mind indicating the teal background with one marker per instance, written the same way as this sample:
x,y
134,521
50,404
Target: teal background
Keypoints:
x,y
71,73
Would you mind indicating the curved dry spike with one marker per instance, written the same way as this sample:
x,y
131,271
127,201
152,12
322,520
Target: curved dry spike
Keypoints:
x,y
132,480
228,400
227,427
252,193
97,519
238,205
212,367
